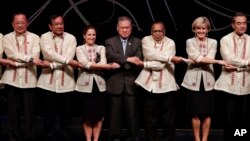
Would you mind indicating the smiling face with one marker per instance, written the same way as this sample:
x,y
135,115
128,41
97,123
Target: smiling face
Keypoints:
x,y
57,25
90,36
201,31
20,24
201,27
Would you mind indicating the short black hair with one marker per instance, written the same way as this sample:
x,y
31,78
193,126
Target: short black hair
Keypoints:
x,y
238,14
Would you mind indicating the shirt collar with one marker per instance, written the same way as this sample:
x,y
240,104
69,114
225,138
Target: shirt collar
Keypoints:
x,y
239,37
124,40
19,35
55,36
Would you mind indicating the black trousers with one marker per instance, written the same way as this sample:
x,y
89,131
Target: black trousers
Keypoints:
x,y
159,109
236,116
3,105
57,105
123,105
21,100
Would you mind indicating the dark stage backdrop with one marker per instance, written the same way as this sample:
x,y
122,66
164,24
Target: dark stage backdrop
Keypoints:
x,y
178,16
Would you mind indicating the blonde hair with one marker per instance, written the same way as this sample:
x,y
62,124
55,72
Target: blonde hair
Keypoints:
x,y
199,22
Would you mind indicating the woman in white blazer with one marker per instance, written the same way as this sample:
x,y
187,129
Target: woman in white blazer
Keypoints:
x,y
91,84
199,78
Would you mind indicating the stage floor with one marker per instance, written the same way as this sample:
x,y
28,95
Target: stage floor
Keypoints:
x,y
181,134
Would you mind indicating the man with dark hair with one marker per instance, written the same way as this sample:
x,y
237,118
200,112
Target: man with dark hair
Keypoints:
x,y
158,82
234,78
23,50
57,78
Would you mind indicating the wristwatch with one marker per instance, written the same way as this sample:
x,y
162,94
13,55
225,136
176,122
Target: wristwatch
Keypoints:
x,y
31,60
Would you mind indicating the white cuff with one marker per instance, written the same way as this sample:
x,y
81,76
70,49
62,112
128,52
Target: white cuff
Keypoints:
x,y
67,61
28,59
51,65
199,59
145,64
170,59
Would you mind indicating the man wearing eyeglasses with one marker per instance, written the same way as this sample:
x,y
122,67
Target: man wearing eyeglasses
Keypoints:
x,y
158,81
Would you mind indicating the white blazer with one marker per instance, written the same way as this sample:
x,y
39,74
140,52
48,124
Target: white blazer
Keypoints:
x,y
193,75
85,75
